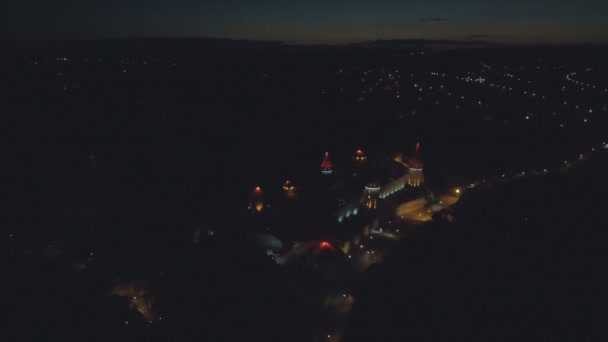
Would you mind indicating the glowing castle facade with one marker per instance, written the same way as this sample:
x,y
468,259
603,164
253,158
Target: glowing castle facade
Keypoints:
x,y
371,194
416,176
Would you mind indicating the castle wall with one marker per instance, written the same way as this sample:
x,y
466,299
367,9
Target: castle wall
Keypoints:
x,y
350,209
394,186
349,245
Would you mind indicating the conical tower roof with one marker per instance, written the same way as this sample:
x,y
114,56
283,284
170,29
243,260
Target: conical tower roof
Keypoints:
x,y
326,164
415,161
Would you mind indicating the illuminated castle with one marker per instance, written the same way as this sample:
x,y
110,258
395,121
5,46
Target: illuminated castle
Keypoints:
x,y
416,177
289,189
326,167
256,203
371,194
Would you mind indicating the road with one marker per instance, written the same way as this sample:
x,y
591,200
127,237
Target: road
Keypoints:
x,y
375,247
338,302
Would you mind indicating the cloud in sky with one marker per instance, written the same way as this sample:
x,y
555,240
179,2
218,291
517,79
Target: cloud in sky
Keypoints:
x,y
433,19
427,43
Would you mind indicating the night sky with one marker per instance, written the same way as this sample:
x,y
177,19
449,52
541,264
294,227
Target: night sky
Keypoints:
x,y
310,21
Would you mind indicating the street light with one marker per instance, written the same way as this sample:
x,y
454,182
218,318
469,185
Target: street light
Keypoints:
x,y
457,191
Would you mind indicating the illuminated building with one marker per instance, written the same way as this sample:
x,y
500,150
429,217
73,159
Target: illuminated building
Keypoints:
x,y
371,194
326,167
360,158
289,189
257,200
416,176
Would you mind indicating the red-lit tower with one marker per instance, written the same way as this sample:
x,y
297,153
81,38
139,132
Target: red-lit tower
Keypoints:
x,y
326,167
257,200
360,158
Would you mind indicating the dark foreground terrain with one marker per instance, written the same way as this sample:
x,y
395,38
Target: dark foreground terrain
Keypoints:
x,y
521,261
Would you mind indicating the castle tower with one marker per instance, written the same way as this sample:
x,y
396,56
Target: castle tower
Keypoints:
x,y
289,189
326,166
257,200
371,194
416,176
360,158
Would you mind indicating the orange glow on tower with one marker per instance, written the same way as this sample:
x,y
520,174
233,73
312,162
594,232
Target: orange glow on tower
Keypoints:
x,y
257,200
372,193
289,189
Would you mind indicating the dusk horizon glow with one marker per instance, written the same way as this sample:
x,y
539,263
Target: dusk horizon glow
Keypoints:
x,y
313,22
